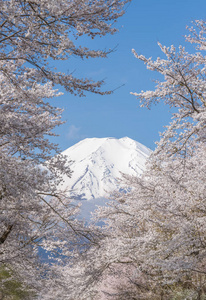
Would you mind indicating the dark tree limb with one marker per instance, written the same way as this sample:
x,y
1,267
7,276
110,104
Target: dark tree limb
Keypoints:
x,y
5,234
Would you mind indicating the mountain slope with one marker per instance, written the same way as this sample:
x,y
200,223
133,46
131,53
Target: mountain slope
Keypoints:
x,y
97,164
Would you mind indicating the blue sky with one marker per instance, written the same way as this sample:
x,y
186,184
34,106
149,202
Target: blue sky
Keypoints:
x,y
144,24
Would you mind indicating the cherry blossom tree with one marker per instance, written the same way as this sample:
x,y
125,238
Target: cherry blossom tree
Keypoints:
x,y
35,211
154,244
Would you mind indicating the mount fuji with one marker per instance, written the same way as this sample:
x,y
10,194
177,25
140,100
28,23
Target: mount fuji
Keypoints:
x,y
97,164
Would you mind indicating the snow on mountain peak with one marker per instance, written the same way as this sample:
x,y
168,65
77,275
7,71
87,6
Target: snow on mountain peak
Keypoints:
x,y
97,164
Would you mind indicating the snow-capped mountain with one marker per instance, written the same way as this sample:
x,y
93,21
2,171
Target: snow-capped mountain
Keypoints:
x,y
97,164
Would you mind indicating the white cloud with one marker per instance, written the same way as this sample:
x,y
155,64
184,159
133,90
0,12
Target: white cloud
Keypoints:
x,y
74,133
96,73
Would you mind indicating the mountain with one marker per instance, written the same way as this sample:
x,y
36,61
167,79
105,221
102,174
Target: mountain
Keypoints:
x,y
97,164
